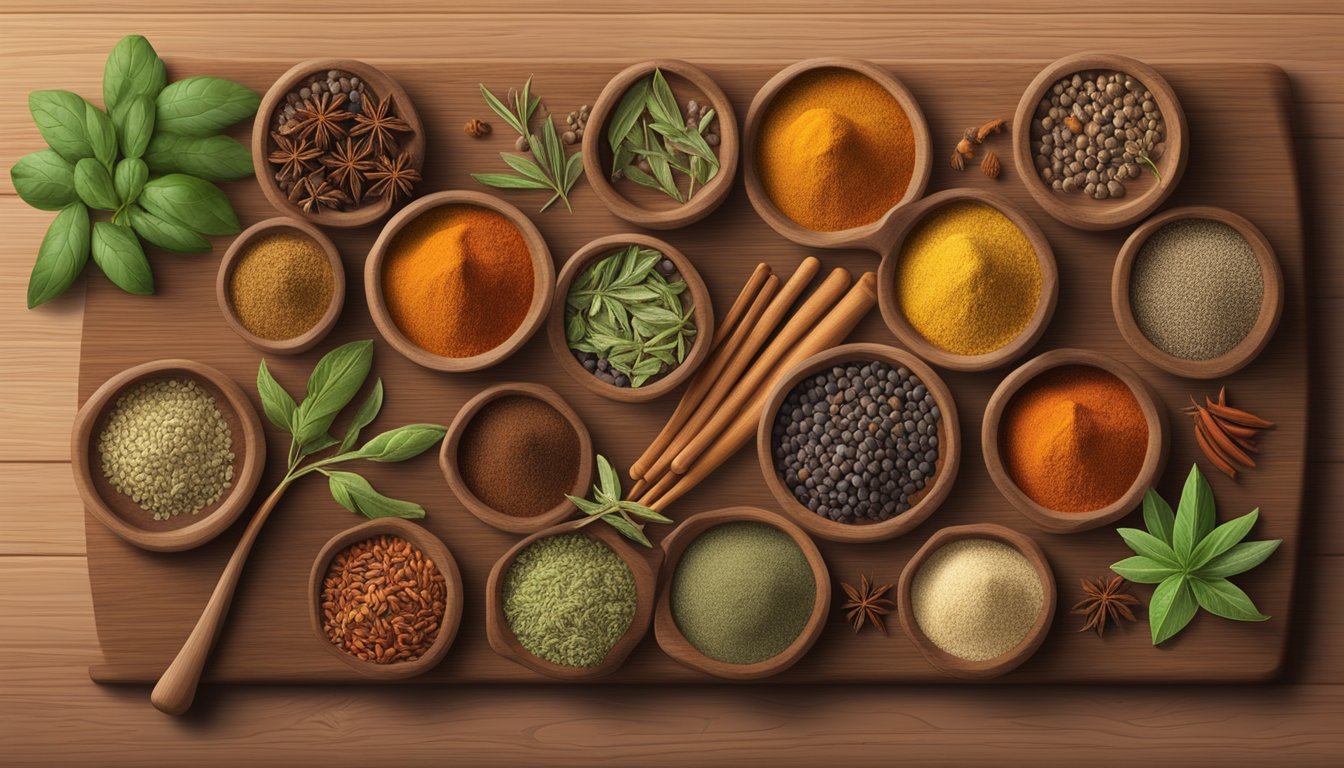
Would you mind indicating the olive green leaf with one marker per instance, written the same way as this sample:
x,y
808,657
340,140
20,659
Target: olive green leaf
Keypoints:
x,y
117,252
334,382
1223,598
166,234
609,508
1239,559
321,443
627,113
132,69
368,411
94,185
44,180
62,255
551,169
356,494
129,178
203,106
402,443
60,118
213,158
1158,517
102,136
276,403
134,120
1171,609
1143,570
194,203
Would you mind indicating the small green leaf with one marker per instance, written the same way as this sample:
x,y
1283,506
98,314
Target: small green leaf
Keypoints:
x,y
627,529
203,106
356,494
502,111
119,255
586,506
62,255
1223,598
129,178
627,113
1147,545
402,443
1222,538
662,104
194,203
276,403
60,118
1171,609
1143,570
44,180
611,482
213,158
509,181
134,120
1194,515
1158,517
639,510
1239,559
94,185
102,136
320,444
368,411
132,69
335,381
168,235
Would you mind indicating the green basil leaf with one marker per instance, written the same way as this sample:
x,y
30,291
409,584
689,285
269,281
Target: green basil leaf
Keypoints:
x,y
61,120
203,106
1148,545
355,494
102,136
627,113
1222,538
194,203
213,158
368,411
1223,598
1194,515
1171,609
1239,559
276,403
334,382
1157,516
627,529
509,181
402,443
117,252
62,255
134,120
44,180
168,235
610,480
1143,570
129,178
94,185
320,444
132,69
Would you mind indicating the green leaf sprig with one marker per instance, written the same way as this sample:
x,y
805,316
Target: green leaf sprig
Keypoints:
x,y
1189,559
335,381
149,161
648,126
608,507
549,167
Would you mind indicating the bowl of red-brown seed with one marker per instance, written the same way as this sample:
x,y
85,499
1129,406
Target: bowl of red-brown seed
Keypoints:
x,y
386,598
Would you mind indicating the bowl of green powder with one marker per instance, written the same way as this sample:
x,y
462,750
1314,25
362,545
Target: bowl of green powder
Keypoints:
x,y
167,454
744,594
571,602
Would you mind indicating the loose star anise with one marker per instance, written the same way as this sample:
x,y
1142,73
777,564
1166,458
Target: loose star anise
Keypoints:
x,y
377,122
294,156
320,119
1105,601
348,165
319,194
393,179
867,604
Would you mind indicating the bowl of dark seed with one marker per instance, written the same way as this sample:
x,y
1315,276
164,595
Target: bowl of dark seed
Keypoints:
x,y
860,443
337,142
1099,140
636,319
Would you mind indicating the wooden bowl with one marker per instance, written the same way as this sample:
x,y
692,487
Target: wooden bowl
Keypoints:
x,y
122,515
643,565
1142,196
703,317
435,550
649,208
859,237
448,459
907,221
955,665
312,336
1271,306
1154,460
929,499
675,644
382,86
543,282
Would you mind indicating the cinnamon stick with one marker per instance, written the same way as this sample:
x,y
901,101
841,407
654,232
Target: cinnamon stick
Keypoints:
x,y
740,304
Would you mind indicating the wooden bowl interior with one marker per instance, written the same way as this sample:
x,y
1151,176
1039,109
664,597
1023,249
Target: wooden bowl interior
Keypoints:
x,y
669,635
955,665
926,501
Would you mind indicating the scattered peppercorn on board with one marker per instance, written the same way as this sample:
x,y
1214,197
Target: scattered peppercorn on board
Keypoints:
x,y
146,603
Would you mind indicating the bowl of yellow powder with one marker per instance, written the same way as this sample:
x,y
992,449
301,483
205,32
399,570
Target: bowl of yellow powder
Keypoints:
x,y
459,281
970,282
832,147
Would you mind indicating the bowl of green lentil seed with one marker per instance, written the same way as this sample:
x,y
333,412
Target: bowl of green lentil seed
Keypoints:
x,y
1197,292
167,454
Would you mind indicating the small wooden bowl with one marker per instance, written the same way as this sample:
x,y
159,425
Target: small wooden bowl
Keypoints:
x,y
644,567
1271,306
448,459
675,644
907,221
1155,459
643,209
312,336
122,515
543,282
933,494
1141,199
859,237
703,317
435,550
955,665
263,125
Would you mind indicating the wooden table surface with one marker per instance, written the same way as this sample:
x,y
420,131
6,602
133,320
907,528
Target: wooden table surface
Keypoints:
x,y
50,714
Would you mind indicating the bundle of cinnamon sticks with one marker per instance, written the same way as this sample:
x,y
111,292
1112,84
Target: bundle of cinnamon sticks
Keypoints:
x,y
757,343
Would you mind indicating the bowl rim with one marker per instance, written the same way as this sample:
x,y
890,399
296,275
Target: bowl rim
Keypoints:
x,y
644,568
1249,348
935,493
425,541
308,339
543,282
707,198
868,236
448,458
383,85
675,644
250,444
1068,209
1155,456
955,665
894,316
700,299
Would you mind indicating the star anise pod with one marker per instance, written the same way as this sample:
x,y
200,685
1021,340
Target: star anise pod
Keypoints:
x,y
393,178
348,165
293,155
318,194
377,122
319,119
867,604
1105,600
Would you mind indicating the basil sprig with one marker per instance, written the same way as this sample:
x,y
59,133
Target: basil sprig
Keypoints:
x,y
332,386
104,161
1189,559
608,506
548,168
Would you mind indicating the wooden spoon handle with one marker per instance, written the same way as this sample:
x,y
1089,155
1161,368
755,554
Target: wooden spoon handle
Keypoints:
x,y
176,689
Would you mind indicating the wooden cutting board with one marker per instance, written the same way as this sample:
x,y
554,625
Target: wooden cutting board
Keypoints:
x,y
1242,158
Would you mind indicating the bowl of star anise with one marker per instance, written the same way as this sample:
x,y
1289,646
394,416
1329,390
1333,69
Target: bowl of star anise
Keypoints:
x,y
337,142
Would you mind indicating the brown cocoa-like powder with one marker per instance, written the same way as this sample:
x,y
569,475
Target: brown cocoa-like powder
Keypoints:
x,y
519,456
